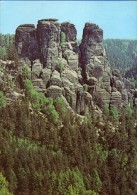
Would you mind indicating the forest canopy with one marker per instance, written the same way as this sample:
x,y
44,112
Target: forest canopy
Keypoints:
x,y
46,149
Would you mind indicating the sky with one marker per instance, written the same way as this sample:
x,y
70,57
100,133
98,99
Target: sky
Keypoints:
x,y
118,19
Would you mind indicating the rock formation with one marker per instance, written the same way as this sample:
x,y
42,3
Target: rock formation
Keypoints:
x,y
26,42
60,68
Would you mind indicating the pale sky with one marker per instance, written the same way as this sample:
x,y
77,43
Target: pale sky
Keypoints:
x,y
118,19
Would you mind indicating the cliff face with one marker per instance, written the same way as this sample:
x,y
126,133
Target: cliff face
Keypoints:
x,y
26,41
59,67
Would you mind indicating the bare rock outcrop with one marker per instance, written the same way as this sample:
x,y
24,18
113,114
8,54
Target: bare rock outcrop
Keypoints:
x,y
60,68
26,42
48,32
94,62
70,31
116,98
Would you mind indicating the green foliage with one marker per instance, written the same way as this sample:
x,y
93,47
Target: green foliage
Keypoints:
x,y
98,100
67,157
97,181
25,71
7,48
2,100
40,102
105,112
115,153
3,53
122,54
4,186
37,99
132,78
60,66
62,39
46,148
103,154
86,111
128,111
70,182
114,114
60,106
12,54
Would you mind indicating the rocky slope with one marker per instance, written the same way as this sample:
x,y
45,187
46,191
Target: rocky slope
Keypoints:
x,y
59,67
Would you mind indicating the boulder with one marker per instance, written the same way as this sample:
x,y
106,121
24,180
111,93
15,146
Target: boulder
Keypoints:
x,y
119,85
115,99
71,75
36,69
116,73
88,100
72,59
12,95
91,81
55,79
39,85
54,91
106,81
102,96
45,75
67,84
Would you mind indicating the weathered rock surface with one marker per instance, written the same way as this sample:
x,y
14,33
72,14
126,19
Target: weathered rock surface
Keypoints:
x,y
94,63
54,91
26,42
116,98
70,31
12,95
55,79
48,39
81,75
39,85
91,43
36,69
45,75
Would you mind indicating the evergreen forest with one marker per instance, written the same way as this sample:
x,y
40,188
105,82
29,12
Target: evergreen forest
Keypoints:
x,y
45,149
